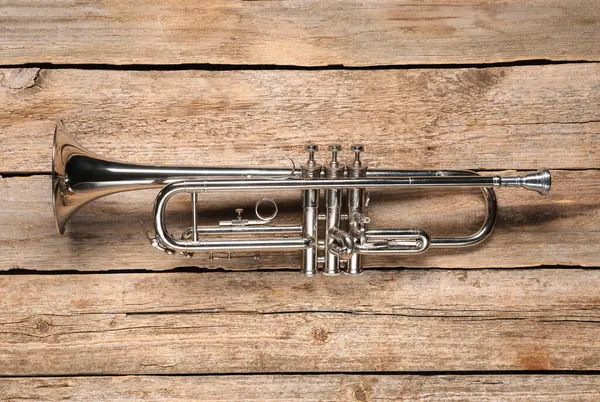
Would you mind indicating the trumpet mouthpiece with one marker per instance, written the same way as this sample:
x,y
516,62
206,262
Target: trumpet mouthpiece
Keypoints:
x,y
539,181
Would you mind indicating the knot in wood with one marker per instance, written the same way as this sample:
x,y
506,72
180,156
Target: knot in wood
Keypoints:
x,y
321,335
21,78
41,325
360,395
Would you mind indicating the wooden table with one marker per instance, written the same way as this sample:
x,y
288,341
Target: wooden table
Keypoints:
x,y
492,86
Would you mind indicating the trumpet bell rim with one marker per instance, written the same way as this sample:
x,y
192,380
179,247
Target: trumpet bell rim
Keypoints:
x,y
58,178
64,145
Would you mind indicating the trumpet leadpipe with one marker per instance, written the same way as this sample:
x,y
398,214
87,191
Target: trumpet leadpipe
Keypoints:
x,y
204,185
539,181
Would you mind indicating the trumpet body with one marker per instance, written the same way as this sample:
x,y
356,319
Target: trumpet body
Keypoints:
x,y
335,230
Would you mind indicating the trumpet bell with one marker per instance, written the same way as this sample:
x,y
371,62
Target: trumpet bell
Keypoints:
x,y
64,202
80,176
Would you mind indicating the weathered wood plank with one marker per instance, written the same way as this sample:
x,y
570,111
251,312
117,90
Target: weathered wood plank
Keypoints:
x,y
500,118
559,229
543,294
361,388
370,32
296,342
278,322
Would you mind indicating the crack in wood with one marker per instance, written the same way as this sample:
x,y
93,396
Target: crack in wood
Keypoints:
x,y
457,317
271,67
233,271
383,373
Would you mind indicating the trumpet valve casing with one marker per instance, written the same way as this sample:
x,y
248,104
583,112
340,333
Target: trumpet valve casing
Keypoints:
x,y
310,214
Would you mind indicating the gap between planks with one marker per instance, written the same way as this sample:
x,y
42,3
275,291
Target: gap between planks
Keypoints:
x,y
271,67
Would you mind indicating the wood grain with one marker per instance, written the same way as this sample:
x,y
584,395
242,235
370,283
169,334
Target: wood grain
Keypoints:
x,y
542,294
295,32
559,229
499,118
361,388
280,322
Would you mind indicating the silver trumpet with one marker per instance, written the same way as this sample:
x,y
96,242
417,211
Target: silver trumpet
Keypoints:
x,y
336,246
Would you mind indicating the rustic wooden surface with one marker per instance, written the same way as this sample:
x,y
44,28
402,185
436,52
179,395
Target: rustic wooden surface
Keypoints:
x,y
100,315
497,118
371,32
184,323
360,388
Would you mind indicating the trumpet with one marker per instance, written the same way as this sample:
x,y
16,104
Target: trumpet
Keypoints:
x,y
334,233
